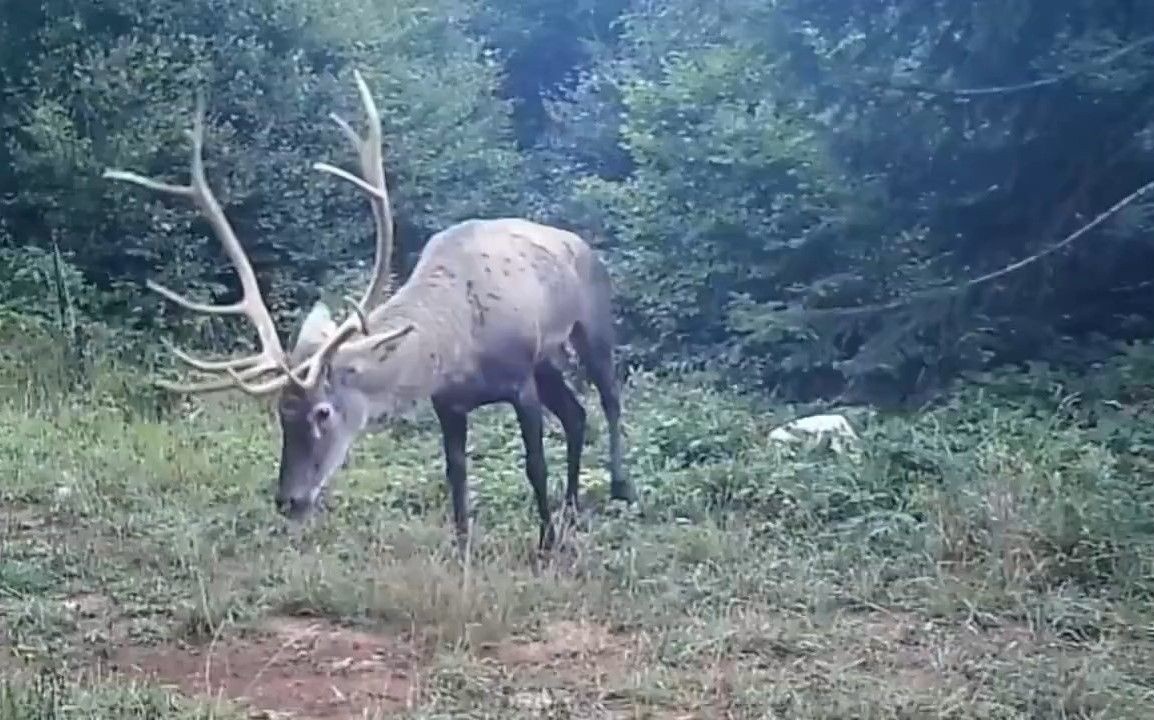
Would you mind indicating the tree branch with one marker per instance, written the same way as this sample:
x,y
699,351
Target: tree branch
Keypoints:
x,y
981,279
967,93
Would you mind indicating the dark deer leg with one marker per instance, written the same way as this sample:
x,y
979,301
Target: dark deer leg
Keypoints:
x,y
560,400
597,355
530,418
454,434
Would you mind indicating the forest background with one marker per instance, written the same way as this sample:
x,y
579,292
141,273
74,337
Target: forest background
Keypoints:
x,y
751,170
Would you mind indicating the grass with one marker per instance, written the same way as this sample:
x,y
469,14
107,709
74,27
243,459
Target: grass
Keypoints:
x,y
979,560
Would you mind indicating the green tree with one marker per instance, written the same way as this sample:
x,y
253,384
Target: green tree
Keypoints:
x,y
113,84
786,157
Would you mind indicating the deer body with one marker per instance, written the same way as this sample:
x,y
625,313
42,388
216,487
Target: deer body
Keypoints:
x,y
490,299
484,313
490,304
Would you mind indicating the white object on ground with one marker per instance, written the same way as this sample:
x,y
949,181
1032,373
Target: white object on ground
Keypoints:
x,y
834,426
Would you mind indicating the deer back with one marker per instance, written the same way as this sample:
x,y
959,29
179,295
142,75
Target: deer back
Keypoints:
x,y
504,285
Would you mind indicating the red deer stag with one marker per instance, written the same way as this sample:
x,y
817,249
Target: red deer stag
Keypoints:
x,y
481,319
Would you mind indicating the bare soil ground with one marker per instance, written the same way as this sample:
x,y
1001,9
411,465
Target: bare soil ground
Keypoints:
x,y
315,669
304,668
318,669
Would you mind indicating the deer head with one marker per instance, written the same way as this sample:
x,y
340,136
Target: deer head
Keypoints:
x,y
320,409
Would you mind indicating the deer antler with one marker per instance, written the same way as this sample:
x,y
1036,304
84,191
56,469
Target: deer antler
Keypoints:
x,y
369,152
244,372
271,356
368,149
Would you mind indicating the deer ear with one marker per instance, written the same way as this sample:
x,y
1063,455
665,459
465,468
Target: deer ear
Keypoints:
x,y
317,327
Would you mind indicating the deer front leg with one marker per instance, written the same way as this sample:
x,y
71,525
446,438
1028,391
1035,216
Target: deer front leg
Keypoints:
x,y
454,434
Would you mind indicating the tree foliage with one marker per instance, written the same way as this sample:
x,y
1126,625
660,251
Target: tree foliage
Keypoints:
x,y
839,155
113,85
752,170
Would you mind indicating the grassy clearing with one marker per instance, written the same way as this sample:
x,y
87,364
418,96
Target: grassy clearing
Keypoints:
x,y
974,561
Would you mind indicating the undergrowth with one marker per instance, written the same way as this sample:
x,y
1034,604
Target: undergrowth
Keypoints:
x,y
988,557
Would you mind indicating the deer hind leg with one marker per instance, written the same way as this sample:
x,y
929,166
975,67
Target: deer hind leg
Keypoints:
x,y
530,417
560,400
596,353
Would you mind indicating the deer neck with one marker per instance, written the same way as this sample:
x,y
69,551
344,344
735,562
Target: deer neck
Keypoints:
x,y
395,383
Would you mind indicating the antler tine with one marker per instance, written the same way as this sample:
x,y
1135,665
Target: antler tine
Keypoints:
x,y
271,356
242,380
244,363
251,301
197,387
230,309
315,364
369,152
232,380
